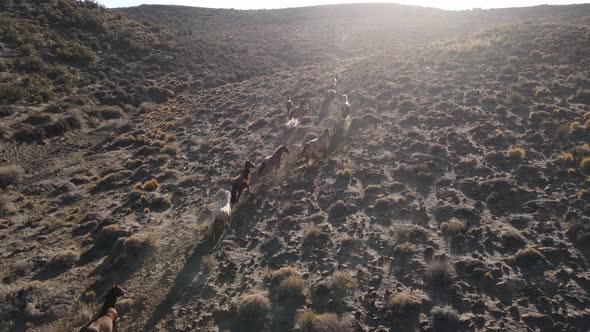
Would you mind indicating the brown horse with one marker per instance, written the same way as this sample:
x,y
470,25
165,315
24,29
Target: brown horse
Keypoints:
x,y
106,319
241,182
272,163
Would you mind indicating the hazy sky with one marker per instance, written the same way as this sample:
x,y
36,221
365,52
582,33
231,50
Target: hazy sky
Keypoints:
x,y
243,4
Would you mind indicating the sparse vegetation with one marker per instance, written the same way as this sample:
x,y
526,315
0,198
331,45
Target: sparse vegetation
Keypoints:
x,y
10,176
253,310
439,273
516,153
452,227
404,302
150,185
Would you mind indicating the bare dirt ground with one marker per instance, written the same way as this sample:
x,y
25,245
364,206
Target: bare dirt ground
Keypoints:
x,y
454,197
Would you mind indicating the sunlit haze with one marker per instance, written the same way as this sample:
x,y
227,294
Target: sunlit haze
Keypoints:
x,y
268,4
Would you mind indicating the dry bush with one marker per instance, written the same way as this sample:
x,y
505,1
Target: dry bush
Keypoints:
x,y
585,164
6,206
138,247
64,260
567,157
452,227
304,320
169,150
209,264
439,273
311,232
283,273
579,232
253,309
10,175
188,181
150,185
404,302
528,256
344,174
343,283
516,153
331,323
445,319
290,289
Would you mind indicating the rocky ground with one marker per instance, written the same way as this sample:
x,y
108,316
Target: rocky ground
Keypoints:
x,y
454,198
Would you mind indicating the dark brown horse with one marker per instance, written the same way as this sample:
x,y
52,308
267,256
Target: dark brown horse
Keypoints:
x,y
106,319
241,182
273,163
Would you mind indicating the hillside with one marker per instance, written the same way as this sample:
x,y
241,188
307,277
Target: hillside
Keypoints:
x,y
454,198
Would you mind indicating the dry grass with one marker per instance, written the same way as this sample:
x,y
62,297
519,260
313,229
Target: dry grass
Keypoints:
x,y
64,260
345,174
304,320
567,157
150,185
291,288
343,282
439,273
254,309
330,322
445,319
209,264
452,227
585,164
528,256
404,302
516,153
10,175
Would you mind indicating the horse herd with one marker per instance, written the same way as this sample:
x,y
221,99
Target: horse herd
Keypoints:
x,y
269,166
106,318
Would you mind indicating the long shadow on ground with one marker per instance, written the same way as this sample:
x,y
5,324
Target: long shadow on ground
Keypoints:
x,y
182,282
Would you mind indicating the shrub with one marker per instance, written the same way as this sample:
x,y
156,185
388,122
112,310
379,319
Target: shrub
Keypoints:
x,y
404,302
150,185
343,282
304,320
508,69
6,206
575,125
452,227
567,157
528,256
10,175
64,260
254,309
208,264
283,273
188,181
445,319
139,246
345,174
11,93
516,153
331,323
289,289
110,113
585,164
579,233
169,150
439,273
515,98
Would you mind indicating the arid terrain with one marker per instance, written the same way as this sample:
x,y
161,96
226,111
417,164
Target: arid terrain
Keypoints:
x,y
455,197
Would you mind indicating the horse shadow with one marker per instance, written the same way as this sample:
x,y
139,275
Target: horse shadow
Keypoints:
x,y
181,286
